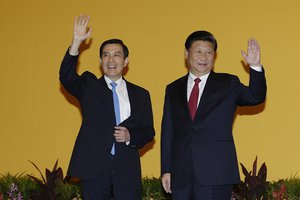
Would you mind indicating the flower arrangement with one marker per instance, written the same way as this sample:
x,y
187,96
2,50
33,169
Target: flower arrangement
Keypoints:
x,y
280,193
14,193
54,186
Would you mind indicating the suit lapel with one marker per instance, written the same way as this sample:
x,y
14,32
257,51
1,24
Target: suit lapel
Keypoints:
x,y
103,84
131,96
105,96
209,87
182,95
208,90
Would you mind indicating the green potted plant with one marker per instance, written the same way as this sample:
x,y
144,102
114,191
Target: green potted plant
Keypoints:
x,y
153,190
16,186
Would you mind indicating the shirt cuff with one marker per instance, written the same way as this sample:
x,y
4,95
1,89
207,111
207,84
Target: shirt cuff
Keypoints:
x,y
74,54
257,68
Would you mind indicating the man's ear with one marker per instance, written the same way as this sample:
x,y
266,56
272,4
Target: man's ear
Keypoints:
x,y
100,60
186,53
126,61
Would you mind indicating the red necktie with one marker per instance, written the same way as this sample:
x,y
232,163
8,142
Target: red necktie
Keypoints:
x,y
193,100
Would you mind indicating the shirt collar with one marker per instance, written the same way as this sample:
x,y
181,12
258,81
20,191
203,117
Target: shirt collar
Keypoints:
x,y
203,78
108,81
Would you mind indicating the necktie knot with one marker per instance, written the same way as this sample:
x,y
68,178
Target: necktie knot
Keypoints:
x,y
113,84
197,81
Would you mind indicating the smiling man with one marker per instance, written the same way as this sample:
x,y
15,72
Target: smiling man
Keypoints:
x,y
117,121
198,157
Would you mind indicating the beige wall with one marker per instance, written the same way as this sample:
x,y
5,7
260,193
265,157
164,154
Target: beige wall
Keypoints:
x,y
39,121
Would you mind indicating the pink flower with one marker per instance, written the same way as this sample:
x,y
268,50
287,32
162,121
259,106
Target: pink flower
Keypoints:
x,y
280,193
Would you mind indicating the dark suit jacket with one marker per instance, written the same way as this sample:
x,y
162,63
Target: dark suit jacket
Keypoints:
x,y
94,141
207,142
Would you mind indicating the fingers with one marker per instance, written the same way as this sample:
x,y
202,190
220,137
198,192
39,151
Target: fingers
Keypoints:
x,y
166,182
121,134
244,54
252,56
166,187
253,45
81,30
82,20
75,21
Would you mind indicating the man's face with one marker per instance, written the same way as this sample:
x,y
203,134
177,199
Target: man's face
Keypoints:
x,y
113,61
200,57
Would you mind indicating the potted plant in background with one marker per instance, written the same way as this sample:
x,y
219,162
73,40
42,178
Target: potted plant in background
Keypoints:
x,y
254,185
54,186
16,187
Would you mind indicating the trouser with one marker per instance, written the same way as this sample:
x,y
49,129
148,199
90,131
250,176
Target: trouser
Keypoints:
x,y
196,191
106,187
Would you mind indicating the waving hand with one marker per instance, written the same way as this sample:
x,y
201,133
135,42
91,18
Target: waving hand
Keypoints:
x,y
81,32
252,57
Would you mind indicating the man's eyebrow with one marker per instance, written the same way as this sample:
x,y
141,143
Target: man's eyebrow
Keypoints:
x,y
113,51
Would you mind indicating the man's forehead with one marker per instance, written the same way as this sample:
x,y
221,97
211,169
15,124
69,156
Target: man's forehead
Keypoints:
x,y
112,51
202,43
113,45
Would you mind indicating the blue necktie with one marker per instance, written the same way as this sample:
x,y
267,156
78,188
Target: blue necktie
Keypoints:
x,y
117,111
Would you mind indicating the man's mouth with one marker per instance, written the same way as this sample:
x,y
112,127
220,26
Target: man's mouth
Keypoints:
x,y
202,64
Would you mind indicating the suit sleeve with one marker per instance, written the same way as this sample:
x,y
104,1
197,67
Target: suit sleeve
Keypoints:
x,y
253,94
68,75
143,133
166,136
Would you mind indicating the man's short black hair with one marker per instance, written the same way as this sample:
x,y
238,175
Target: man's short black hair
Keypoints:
x,y
200,35
115,41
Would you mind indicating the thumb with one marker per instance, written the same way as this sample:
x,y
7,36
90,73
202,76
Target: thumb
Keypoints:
x,y
244,54
88,34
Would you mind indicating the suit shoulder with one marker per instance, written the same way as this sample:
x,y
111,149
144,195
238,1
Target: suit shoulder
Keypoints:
x,y
88,75
223,76
136,87
177,82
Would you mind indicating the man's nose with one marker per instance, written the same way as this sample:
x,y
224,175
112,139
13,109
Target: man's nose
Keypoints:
x,y
110,58
203,56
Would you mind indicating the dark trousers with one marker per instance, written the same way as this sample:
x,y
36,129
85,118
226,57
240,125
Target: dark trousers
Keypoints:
x,y
203,192
106,187
197,191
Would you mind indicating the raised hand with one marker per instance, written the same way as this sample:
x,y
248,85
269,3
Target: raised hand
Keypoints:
x,y
252,57
81,32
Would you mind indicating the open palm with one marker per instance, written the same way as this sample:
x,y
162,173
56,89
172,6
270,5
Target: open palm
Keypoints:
x,y
81,32
252,57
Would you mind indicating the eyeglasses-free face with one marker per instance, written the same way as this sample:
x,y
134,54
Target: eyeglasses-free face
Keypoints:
x,y
113,61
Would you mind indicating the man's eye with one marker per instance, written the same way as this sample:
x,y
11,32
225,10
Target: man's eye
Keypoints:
x,y
118,55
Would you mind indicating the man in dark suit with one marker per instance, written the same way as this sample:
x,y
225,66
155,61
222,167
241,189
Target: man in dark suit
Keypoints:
x,y
117,121
198,156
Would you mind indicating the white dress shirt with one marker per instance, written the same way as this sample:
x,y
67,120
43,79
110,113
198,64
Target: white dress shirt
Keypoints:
x,y
122,93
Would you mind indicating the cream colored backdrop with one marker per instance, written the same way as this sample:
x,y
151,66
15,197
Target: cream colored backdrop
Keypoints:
x,y
39,121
